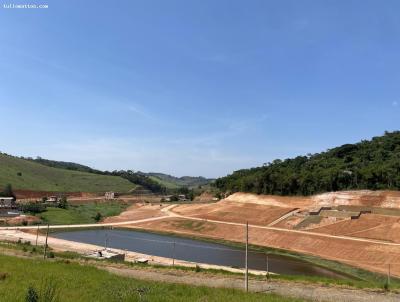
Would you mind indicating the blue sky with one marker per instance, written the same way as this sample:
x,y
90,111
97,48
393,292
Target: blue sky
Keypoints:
x,y
196,87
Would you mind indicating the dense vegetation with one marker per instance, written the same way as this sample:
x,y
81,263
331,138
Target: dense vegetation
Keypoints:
x,y
373,165
139,179
172,182
69,281
30,175
7,191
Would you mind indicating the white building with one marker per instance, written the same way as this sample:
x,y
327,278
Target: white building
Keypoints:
x,y
109,195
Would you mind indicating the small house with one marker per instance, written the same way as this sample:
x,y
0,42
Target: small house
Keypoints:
x,y
109,195
182,197
52,199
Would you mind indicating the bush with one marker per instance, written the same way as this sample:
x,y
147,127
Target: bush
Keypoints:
x,y
98,217
3,276
31,295
50,255
197,269
48,292
24,222
63,203
33,207
386,286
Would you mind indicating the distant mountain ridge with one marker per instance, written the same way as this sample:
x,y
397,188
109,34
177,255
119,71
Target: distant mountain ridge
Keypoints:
x,y
154,182
173,182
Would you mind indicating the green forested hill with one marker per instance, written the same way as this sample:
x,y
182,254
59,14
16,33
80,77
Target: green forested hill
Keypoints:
x,y
373,164
29,175
172,182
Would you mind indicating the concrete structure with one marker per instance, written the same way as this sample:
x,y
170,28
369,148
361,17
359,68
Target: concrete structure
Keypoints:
x,y
107,254
109,195
182,197
7,203
8,213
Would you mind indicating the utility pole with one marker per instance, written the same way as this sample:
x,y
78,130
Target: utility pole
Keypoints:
x,y
37,234
267,267
173,253
247,258
45,245
388,276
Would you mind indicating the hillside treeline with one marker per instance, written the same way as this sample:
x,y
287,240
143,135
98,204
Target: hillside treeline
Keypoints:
x,y
134,177
373,165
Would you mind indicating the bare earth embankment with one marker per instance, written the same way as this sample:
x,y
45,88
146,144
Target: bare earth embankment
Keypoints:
x,y
225,220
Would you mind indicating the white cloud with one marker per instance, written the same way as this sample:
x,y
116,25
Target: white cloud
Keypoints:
x,y
139,111
178,157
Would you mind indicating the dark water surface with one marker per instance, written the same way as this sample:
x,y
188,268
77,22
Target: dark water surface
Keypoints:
x,y
194,250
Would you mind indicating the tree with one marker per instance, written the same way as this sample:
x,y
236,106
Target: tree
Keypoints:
x,y
63,204
8,191
98,217
33,207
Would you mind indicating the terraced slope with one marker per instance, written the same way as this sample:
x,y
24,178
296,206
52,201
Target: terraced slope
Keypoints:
x,y
28,175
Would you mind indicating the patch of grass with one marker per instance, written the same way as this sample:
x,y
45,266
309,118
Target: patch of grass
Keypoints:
x,y
84,213
374,210
194,225
24,174
312,219
77,282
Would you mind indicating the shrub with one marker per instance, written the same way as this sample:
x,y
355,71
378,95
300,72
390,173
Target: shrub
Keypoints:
x,y
98,217
197,269
63,203
386,286
31,295
24,222
33,207
3,276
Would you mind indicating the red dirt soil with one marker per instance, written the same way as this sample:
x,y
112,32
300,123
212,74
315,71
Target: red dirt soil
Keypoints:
x,y
18,220
136,212
229,211
372,256
27,194
385,199
370,226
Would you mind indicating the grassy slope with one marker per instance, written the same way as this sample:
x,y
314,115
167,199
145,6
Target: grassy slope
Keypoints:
x,y
82,213
42,178
172,182
165,183
76,282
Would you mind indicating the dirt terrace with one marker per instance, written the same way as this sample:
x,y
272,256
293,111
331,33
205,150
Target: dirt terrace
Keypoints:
x,y
368,255
370,226
231,211
137,211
